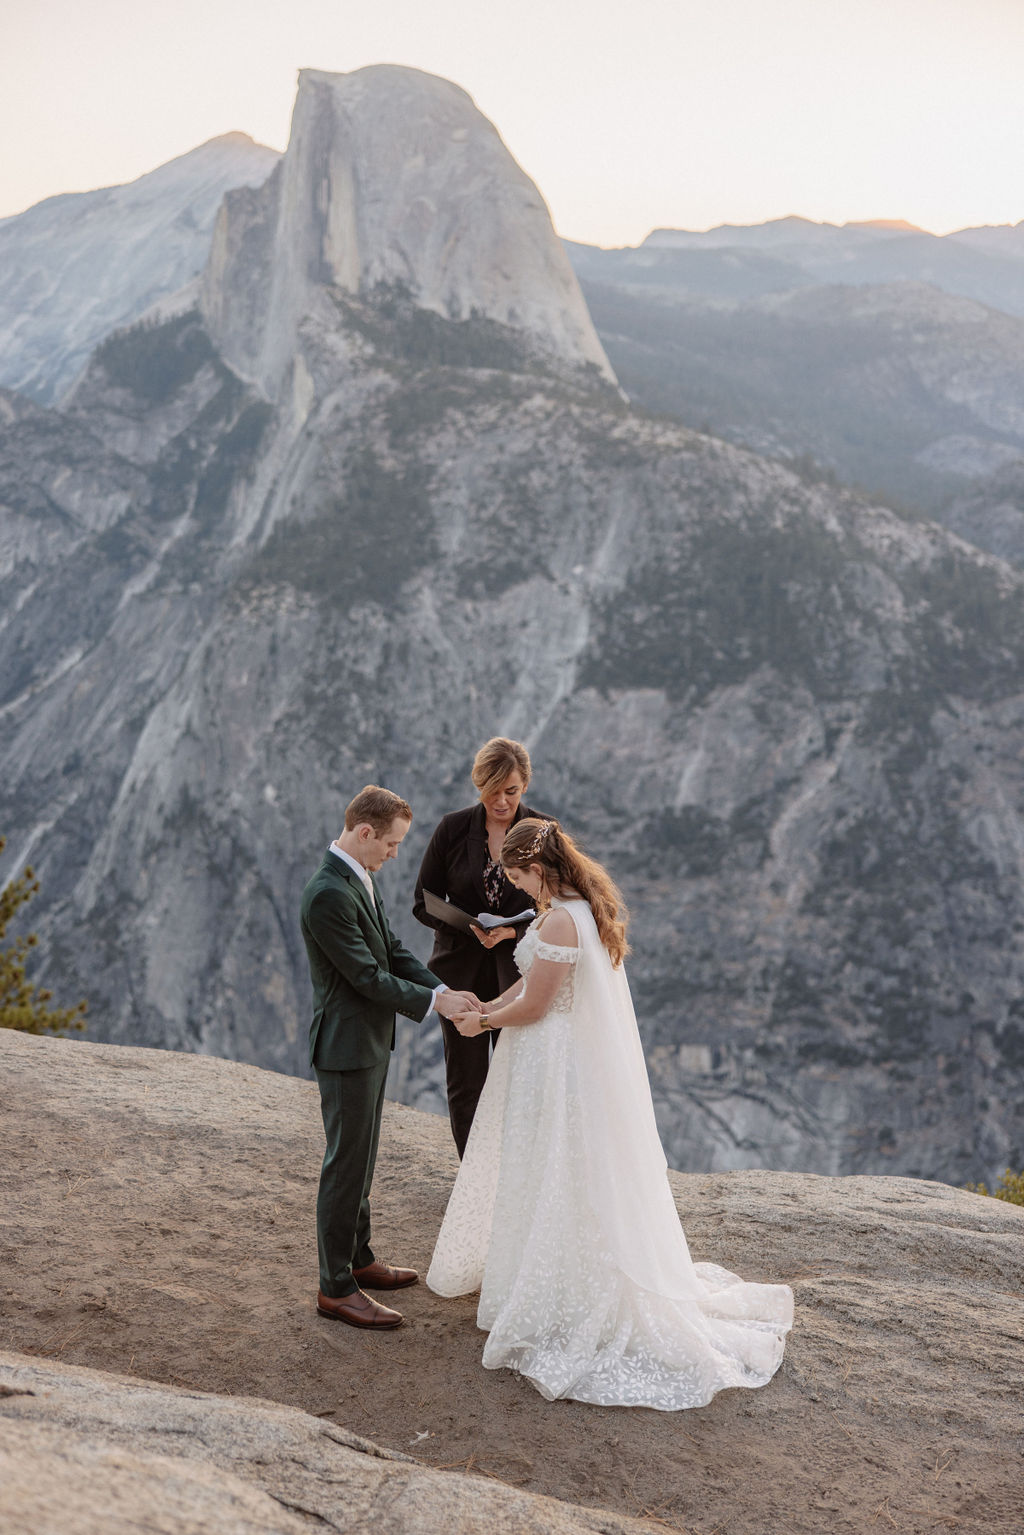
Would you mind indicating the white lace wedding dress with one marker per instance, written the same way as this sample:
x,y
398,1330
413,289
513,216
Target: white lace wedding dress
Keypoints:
x,y
563,1217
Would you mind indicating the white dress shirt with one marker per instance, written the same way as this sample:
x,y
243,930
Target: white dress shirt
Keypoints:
x,y
357,868
364,875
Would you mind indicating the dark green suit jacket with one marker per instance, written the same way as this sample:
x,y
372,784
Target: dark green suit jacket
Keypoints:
x,y
362,975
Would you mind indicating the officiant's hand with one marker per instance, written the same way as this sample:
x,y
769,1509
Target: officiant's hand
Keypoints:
x,y
489,937
451,1003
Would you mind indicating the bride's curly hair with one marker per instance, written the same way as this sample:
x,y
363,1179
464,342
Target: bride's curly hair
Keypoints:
x,y
568,870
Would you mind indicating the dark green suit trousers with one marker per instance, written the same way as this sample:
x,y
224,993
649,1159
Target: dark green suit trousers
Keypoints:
x,y
362,975
351,1103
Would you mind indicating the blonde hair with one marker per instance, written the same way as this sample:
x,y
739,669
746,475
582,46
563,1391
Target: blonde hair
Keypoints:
x,y
376,807
567,868
495,763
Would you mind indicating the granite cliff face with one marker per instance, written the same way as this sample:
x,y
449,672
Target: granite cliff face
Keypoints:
x,y
257,562
393,181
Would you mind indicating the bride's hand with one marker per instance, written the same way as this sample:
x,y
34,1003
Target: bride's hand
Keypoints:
x,y
468,1024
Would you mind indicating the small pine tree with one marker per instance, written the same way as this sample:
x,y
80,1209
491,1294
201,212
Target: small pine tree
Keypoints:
x,y
22,1005
1010,1187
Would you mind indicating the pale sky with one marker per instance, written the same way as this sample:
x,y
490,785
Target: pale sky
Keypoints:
x,y
685,113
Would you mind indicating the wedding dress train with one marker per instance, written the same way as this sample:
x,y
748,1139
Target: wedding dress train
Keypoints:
x,y
563,1217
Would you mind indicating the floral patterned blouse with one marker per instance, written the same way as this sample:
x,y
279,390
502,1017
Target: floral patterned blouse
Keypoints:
x,y
495,879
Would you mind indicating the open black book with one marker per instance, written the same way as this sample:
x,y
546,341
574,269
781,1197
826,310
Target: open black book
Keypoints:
x,y
454,916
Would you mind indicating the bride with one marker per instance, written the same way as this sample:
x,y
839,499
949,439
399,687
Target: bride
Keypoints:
x,y
562,1214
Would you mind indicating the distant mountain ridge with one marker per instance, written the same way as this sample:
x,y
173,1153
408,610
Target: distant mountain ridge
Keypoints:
x,y
899,387
797,232
985,264
793,230
79,266
875,352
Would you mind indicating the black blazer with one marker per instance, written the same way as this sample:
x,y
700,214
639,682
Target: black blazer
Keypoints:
x,y
453,868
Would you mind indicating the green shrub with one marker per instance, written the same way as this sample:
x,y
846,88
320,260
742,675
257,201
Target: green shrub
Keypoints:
x,y
23,1005
154,359
1010,1187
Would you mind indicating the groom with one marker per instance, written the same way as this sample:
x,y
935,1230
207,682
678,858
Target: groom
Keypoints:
x,y
362,976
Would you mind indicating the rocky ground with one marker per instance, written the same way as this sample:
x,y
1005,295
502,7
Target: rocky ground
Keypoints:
x,y
157,1224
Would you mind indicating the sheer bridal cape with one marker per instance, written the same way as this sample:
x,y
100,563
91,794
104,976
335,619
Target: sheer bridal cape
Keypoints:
x,y
563,1218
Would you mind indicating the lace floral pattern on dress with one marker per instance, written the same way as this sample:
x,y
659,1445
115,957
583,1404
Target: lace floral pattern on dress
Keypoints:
x,y
532,946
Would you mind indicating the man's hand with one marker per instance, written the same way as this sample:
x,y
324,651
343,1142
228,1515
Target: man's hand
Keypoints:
x,y
490,936
449,1003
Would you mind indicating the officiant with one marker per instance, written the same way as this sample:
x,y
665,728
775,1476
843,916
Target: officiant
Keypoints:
x,y
462,864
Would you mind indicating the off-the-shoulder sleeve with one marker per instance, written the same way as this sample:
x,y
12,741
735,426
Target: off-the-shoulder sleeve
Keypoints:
x,y
560,953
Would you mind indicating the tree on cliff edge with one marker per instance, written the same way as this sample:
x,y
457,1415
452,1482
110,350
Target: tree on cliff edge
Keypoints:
x,y
22,1005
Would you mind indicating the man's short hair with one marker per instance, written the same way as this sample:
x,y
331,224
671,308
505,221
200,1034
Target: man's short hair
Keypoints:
x,y
376,807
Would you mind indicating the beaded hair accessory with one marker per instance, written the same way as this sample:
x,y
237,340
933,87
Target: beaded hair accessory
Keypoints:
x,y
540,837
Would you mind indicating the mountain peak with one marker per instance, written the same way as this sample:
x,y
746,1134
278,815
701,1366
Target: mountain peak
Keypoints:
x,y
891,226
383,79
235,137
392,178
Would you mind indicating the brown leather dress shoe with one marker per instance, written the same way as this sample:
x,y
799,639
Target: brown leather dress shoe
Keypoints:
x,y
358,1310
381,1276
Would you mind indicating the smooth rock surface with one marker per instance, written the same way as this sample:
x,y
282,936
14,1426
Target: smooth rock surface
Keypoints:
x,y
157,1222
85,1453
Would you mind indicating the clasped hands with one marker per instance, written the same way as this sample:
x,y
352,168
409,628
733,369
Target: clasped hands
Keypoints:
x,y
457,1004
463,1008
468,1022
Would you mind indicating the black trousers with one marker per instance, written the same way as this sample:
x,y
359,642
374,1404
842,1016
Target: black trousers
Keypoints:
x,y
466,1062
351,1103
